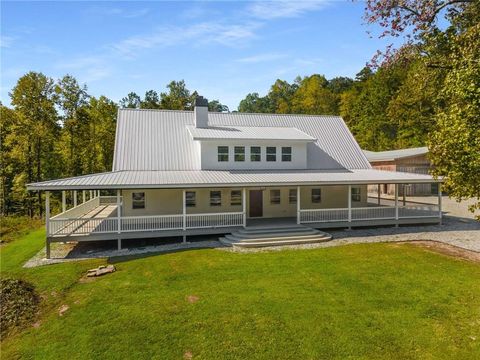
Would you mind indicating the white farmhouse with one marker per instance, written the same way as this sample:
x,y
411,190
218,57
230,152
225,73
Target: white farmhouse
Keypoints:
x,y
182,173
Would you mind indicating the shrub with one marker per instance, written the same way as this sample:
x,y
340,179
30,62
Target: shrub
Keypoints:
x,y
18,302
13,227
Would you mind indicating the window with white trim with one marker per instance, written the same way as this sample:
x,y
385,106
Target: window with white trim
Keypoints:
x,y
292,196
239,153
215,198
236,197
286,153
356,194
316,196
271,153
255,153
190,198
275,197
138,200
222,153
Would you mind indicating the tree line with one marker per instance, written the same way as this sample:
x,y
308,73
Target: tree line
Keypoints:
x,y
56,129
425,93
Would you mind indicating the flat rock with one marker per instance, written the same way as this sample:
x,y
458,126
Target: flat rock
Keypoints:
x,y
101,270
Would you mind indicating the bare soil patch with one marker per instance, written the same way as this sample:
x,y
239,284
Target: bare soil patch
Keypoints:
x,y
192,299
445,249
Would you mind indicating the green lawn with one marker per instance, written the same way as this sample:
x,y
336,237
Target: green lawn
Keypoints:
x,y
378,301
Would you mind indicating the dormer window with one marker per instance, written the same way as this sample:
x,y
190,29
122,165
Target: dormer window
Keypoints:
x,y
255,154
222,153
239,153
286,153
271,153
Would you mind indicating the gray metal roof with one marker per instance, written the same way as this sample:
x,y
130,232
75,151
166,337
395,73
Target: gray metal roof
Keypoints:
x,y
159,139
394,154
207,178
231,132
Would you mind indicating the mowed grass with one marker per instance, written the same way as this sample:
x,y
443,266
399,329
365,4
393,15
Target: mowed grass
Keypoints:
x,y
376,301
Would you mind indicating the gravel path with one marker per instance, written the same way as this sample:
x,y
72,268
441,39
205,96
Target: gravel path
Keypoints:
x,y
459,232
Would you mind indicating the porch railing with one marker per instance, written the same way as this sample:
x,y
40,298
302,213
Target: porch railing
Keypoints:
x,y
214,220
373,213
79,210
368,213
82,226
323,215
151,223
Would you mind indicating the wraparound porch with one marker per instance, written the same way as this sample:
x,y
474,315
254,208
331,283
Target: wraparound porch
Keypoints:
x,y
101,218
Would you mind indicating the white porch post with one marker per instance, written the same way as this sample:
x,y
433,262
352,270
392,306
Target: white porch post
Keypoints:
x,y
184,213
396,205
298,205
349,206
244,205
90,195
440,203
119,218
74,198
47,223
83,196
64,202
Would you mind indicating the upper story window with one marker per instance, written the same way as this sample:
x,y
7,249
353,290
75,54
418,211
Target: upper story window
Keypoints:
x,y
138,200
316,195
235,197
274,197
356,195
286,153
190,199
222,153
292,196
255,153
239,153
271,153
215,198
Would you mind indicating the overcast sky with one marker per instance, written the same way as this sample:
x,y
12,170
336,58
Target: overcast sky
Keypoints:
x,y
222,49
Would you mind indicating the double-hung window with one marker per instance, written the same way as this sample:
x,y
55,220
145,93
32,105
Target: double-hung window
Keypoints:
x,y
190,199
316,196
236,197
274,197
271,153
292,196
215,198
239,153
255,154
286,153
138,200
222,153
356,195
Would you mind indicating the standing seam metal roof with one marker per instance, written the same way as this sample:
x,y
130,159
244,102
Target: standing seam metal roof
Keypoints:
x,y
209,178
394,154
159,139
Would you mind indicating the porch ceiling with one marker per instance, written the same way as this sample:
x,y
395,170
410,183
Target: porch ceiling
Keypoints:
x,y
207,178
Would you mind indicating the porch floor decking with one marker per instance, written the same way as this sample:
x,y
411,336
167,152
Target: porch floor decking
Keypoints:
x,y
82,226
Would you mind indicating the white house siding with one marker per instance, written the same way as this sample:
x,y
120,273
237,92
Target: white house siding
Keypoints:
x,y
210,158
169,201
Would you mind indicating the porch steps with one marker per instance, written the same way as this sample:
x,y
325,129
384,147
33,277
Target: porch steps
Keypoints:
x,y
274,236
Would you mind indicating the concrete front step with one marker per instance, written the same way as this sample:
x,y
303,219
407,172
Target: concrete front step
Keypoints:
x,y
289,236
274,236
279,229
276,243
241,236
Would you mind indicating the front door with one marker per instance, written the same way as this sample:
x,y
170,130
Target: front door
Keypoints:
x,y
256,203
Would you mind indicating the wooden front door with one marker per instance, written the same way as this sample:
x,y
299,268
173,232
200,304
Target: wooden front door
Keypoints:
x,y
256,203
